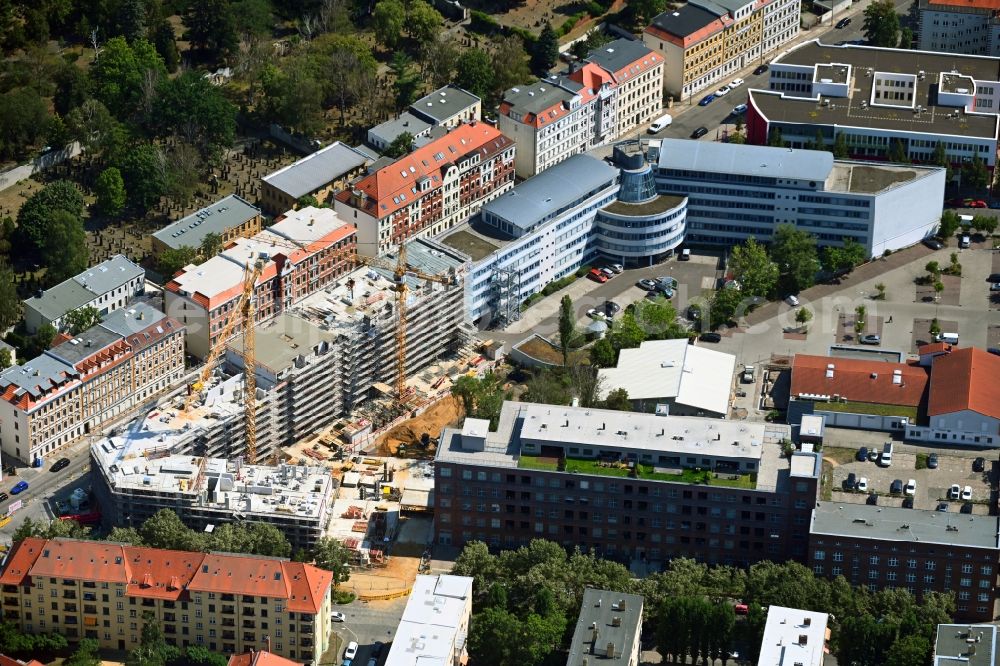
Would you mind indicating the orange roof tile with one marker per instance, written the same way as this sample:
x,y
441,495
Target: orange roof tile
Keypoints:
x,y
303,585
965,379
82,560
162,574
10,661
308,585
988,5
20,560
262,658
858,380
933,348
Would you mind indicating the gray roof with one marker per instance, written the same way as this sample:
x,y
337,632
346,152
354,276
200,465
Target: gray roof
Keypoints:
x,y
283,339
618,54
316,170
427,256
86,344
109,275
598,611
560,185
762,161
133,319
889,523
723,6
390,129
537,97
232,211
37,375
64,297
443,103
951,646
686,20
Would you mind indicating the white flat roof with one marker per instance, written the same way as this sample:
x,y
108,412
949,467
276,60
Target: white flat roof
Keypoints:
x,y
792,636
432,624
693,376
211,277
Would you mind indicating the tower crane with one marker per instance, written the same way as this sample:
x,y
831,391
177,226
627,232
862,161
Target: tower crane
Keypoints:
x,y
243,310
399,272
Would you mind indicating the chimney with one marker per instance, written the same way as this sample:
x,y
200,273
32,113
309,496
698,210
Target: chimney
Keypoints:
x,y
621,605
609,651
616,621
803,639
807,622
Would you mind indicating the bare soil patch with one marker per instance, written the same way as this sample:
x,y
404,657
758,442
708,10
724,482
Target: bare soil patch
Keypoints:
x,y
445,412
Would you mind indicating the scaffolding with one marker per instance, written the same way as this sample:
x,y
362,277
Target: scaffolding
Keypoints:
x,y
505,286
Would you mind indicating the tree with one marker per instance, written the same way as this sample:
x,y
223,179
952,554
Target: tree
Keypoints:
x,y
618,400
389,21
331,555
844,258
753,269
52,529
64,251
35,217
173,259
803,315
438,58
110,191
144,171
949,224
212,28
603,354
881,27
166,45
775,139
567,327
880,291
985,224
626,333
152,649
251,538
198,655
10,304
82,319
97,130
840,149
897,152
23,116
349,69
474,72
191,107
933,267
423,21
545,52
253,16
481,398
85,654
165,530
71,88
132,19
407,79
129,535
658,319
644,11
724,306
975,174
211,245
12,641
906,38
400,146
794,251
510,64
119,78
6,358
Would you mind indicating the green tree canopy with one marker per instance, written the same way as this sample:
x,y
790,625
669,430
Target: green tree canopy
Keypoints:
x,y
881,27
567,326
482,398
144,170
724,306
389,22
64,250
474,72
626,333
82,319
165,530
173,259
423,22
753,269
949,224
603,354
34,220
23,116
191,107
120,77
545,52
110,191
618,400
400,146
794,251
844,258
331,555
10,304
211,245
212,28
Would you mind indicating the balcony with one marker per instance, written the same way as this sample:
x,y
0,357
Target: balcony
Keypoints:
x,y
229,597
69,608
69,594
148,603
10,601
249,638
90,596
90,610
229,635
248,624
169,629
228,610
228,622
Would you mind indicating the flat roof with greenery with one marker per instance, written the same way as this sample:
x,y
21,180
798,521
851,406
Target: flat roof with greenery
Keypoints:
x,y
643,471
876,409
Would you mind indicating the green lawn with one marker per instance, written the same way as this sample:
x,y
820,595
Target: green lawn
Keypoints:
x,y
578,466
867,408
537,462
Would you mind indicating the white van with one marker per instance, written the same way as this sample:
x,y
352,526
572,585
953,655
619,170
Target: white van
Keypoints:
x,y
661,124
885,460
950,338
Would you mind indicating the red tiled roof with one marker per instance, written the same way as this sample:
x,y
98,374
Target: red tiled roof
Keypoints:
x,y
965,379
853,380
261,658
989,5
308,585
933,348
82,560
20,560
162,574
10,661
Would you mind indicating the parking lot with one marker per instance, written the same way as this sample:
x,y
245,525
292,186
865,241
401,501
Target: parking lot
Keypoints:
x,y
932,485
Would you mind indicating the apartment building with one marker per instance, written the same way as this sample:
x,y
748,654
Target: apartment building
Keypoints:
x,y
708,42
319,175
550,225
913,549
617,88
258,658
608,629
228,218
880,100
446,108
430,190
737,192
77,386
225,603
108,286
302,253
794,637
435,625
970,27
625,486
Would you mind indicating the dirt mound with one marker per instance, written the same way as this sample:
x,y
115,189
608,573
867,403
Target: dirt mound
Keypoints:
x,y
445,412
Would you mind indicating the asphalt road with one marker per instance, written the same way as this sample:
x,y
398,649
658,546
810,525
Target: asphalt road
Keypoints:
x,y
367,623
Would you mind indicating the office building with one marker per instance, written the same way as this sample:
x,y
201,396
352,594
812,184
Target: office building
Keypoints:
x,y
445,108
794,637
966,644
430,190
616,89
970,27
228,218
625,486
319,175
673,377
963,402
225,603
736,192
709,42
302,253
108,286
882,101
434,628
608,629
77,386
552,224
912,549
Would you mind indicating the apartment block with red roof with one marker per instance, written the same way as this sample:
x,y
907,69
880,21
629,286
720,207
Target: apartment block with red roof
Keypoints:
x,y
959,26
84,382
430,190
304,252
617,88
226,603
706,42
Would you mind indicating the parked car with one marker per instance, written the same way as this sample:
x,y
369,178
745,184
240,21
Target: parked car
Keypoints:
x,y
911,487
871,339
666,282
594,313
19,488
735,83
617,268
872,499
337,616
4,497
377,649
933,243
722,92
608,272
967,493
863,484
685,254
979,464
964,242
372,661
352,650
975,203
942,506
611,308
694,313
710,337
739,109
995,286
851,481
872,455
706,100
62,463
896,487
843,23
966,508
907,502
596,275
954,491
994,277
792,300
741,609
932,461
760,69
700,132
863,454
646,284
